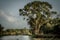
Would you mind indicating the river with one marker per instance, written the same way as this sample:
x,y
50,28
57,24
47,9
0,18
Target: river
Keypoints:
x,y
22,37
19,37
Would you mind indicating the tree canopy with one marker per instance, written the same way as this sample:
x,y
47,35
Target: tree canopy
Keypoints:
x,y
39,15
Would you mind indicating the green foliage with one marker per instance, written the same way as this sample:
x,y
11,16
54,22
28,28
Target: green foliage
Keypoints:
x,y
38,13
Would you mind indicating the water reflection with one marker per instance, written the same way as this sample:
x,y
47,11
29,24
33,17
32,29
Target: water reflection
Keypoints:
x,y
20,37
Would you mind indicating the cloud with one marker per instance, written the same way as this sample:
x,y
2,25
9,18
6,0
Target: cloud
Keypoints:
x,y
7,17
9,21
10,18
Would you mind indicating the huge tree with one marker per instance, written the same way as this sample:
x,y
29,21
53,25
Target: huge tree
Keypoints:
x,y
38,13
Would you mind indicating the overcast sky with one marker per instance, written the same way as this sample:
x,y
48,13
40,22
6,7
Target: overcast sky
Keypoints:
x,y
9,12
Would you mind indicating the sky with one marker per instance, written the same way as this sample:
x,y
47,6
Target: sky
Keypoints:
x,y
9,12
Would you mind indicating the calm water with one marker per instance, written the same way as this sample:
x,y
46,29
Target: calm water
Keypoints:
x,y
20,37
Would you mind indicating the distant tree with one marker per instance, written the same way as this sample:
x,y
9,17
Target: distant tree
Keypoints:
x,y
1,28
38,13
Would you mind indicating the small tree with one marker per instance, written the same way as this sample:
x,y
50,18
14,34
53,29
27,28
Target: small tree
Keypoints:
x,y
38,13
1,28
